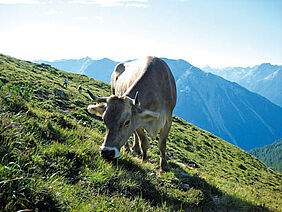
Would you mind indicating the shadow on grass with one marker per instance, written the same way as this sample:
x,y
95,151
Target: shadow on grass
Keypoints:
x,y
157,191
145,188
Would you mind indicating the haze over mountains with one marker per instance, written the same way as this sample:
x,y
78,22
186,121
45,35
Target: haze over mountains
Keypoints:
x,y
264,79
97,69
224,108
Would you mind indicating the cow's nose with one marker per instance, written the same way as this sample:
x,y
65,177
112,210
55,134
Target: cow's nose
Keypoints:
x,y
109,154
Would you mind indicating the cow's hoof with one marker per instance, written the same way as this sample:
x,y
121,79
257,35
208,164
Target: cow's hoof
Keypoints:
x,y
136,149
127,150
162,171
137,153
164,166
166,169
144,157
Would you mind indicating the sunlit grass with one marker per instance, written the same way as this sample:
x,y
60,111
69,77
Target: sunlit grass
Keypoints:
x,y
49,155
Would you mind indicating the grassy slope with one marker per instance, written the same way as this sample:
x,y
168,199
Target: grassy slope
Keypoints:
x,y
50,159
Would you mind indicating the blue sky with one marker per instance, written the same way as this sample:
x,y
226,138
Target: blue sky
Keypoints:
x,y
218,33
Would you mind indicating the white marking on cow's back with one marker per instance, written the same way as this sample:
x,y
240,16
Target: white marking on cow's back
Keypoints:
x,y
133,71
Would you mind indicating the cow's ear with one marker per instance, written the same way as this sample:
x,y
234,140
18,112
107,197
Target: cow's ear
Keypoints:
x,y
136,101
148,115
97,109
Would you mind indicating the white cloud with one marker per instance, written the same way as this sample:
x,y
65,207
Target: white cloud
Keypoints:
x,y
22,2
82,18
114,3
53,12
137,5
99,18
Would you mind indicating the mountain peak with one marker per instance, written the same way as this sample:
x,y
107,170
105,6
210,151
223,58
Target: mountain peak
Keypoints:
x,y
86,58
105,59
265,65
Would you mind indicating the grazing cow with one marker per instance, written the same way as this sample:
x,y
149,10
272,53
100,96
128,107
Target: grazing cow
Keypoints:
x,y
144,96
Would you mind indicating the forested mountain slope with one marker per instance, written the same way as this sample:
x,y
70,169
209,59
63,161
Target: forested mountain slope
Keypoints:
x,y
271,154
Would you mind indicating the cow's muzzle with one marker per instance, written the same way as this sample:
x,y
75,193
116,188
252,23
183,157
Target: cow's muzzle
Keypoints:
x,y
109,152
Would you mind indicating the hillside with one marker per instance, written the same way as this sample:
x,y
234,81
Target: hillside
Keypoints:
x,y
264,79
207,101
50,156
271,155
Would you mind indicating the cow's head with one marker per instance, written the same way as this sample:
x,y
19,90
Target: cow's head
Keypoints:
x,y
122,116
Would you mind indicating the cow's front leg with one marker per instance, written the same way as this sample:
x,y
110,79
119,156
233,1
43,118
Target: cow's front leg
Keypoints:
x,y
144,142
163,162
162,146
126,147
136,146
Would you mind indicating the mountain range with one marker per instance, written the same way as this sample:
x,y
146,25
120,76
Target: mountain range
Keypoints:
x,y
96,69
264,79
228,110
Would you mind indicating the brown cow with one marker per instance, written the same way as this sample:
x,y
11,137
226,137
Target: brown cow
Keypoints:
x,y
144,96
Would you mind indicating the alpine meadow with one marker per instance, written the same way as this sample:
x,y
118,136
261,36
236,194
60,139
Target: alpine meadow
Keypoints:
x,y
49,152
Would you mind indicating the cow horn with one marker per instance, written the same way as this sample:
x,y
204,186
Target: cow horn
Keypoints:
x,y
136,100
97,99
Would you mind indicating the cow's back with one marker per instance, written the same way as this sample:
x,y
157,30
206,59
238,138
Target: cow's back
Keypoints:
x,y
153,80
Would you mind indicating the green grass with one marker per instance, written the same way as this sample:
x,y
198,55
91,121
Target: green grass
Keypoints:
x,y
50,161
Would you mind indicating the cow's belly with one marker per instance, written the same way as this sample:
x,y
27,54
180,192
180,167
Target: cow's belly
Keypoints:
x,y
154,127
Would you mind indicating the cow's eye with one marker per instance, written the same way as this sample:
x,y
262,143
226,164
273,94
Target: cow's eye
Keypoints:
x,y
126,123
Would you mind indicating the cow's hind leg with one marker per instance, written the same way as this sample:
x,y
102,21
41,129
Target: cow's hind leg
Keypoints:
x,y
162,145
144,142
